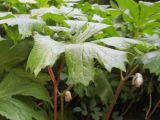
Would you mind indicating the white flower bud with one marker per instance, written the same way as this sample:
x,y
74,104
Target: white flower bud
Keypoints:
x,y
68,96
137,80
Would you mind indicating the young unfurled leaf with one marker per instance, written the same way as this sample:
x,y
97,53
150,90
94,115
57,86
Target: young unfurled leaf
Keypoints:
x,y
82,35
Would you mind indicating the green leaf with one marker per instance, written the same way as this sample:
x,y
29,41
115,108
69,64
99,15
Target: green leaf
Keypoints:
x,y
103,88
42,78
42,11
1,38
80,60
12,85
132,6
151,61
5,15
60,29
12,33
28,1
14,109
82,35
63,10
116,116
25,25
80,63
45,52
77,109
12,55
42,3
124,43
149,9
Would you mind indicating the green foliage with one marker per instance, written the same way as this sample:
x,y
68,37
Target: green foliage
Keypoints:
x,y
96,43
91,110
12,85
11,55
151,60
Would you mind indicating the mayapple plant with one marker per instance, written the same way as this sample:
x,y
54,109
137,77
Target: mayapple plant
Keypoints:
x,y
79,53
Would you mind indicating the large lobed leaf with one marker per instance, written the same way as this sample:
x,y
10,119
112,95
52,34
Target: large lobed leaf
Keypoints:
x,y
80,61
63,10
25,25
45,52
84,30
124,43
79,58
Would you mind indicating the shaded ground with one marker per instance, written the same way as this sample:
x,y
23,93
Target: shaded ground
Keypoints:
x,y
140,115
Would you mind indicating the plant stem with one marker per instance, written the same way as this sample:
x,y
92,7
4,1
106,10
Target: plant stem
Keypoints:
x,y
62,106
154,109
52,76
150,105
118,91
60,68
55,84
55,101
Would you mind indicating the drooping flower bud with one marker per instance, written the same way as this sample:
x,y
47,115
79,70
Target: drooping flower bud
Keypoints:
x,y
137,80
68,96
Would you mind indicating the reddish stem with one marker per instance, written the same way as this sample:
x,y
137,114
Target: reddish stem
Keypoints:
x,y
55,85
118,91
52,76
150,105
154,109
55,101
60,68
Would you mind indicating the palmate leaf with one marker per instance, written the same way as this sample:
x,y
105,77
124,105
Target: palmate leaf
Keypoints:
x,y
124,43
6,15
14,109
151,61
79,58
80,31
45,52
80,63
84,30
25,25
63,10
28,1
42,11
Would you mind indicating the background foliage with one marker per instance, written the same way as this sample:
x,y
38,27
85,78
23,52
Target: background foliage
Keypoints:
x,y
97,43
